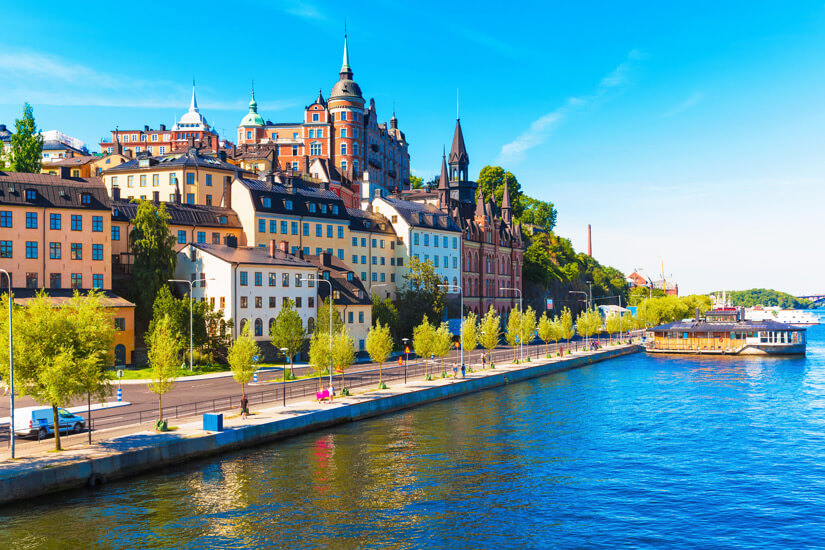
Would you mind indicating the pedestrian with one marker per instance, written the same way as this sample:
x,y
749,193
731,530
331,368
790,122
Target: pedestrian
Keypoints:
x,y
483,361
244,407
331,391
462,370
455,370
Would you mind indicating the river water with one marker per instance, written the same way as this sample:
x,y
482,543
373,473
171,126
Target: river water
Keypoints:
x,y
643,452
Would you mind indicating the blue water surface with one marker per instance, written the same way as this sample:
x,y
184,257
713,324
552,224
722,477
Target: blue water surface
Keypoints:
x,y
637,452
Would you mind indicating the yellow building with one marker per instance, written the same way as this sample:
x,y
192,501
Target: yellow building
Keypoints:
x,y
55,232
71,167
372,251
253,159
192,175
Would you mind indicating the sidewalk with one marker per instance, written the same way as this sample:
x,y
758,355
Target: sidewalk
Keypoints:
x,y
78,409
192,378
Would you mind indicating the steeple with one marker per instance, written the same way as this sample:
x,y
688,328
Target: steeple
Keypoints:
x,y
193,105
459,160
346,70
320,99
443,185
505,203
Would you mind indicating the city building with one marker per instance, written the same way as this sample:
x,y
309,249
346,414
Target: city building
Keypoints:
x,y
351,299
54,150
250,284
78,167
669,285
5,144
55,232
639,278
192,126
372,251
195,176
341,130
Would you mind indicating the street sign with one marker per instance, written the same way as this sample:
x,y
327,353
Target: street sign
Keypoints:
x,y
255,358
407,349
120,373
549,303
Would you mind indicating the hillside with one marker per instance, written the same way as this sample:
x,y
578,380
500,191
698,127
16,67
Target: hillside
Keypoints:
x,y
766,297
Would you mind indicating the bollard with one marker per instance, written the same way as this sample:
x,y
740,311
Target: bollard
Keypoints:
x,y
119,394
255,377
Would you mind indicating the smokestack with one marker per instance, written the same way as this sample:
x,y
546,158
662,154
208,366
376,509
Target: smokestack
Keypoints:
x,y
589,242
116,193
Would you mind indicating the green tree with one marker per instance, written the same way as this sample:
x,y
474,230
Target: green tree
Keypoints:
x,y
2,156
566,321
177,309
513,334
546,330
469,335
491,183
416,182
490,330
154,252
322,326
766,297
420,295
379,346
613,323
240,358
163,354
626,323
385,312
541,214
59,351
442,343
319,354
26,144
288,331
423,341
343,354
528,327
588,322
218,332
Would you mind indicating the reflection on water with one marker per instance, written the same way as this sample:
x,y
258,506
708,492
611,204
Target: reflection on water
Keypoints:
x,y
638,452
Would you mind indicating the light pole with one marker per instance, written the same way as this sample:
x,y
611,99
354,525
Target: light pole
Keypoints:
x,y
461,325
406,342
11,368
316,279
191,286
577,301
521,324
283,373
590,285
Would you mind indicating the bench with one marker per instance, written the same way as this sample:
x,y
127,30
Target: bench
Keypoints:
x,y
322,395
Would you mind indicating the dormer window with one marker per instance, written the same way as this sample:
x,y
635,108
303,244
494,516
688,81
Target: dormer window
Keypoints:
x,y
326,275
367,224
31,195
324,208
336,295
311,207
349,276
267,202
288,204
421,219
85,199
222,219
143,163
335,209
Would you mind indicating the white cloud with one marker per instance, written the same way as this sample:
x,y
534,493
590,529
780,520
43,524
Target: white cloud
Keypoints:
x,y
536,134
304,10
691,101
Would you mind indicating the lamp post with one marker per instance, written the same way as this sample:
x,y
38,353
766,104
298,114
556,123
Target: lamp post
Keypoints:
x,y
577,301
316,279
11,368
191,286
406,342
283,373
461,325
521,311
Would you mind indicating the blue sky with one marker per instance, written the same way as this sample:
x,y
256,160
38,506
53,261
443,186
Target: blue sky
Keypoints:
x,y
689,135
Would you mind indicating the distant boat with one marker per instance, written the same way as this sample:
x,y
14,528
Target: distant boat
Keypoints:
x,y
795,317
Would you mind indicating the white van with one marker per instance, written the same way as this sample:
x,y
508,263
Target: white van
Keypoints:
x,y
28,421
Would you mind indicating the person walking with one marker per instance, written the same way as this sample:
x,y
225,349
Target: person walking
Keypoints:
x,y
483,361
331,391
455,370
462,370
244,407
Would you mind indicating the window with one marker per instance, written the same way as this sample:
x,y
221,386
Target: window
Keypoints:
x,y
77,251
355,258
340,253
435,241
426,239
54,221
97,280
374,277
363,259
329,231
285,279
209,180
190,198
340,231
5,249
244,304
306,229
311,281
273,279
259,303
97,252
143,180
355,151
455,242
31,280
97,224
436,260
298,282
201,237
283,228
244,278
85,199
455,262
216,238
31,220
223,302
360,316
311,302
259,278
273,302
288,205
383,278
350,317
315,148
54,280
77,280
181,236
5,218
294,227
208,200
374,260
335,209
415,238
261,225
267,202
162,150
343,148
259,327
190,178
31,250
130,181
295,151
311,207
115,233
343,166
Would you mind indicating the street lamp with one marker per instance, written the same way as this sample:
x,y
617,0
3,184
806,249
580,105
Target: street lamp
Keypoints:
x,y
461,325
11,368
521,311
406,342
316,279
191,286
577,301
283,373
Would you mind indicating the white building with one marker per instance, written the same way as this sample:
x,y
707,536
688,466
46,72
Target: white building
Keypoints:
x,y
426,233
249,284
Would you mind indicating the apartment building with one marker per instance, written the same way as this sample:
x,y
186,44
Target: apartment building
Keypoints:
x,y
372,252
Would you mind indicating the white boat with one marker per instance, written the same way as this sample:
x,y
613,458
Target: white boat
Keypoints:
x,y
795,317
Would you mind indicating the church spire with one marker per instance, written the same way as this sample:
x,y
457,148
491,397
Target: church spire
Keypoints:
x,y
505,203
346,70
459,160
193,104
444,185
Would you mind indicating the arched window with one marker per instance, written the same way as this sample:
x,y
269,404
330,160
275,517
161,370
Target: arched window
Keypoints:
x,y
455,281
259,327
241,326
343,149
315,148
343,166
355,165
271,324
311,325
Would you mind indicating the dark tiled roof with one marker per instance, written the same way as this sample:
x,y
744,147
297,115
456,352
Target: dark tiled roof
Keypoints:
x,y
72,161
349,291
359,220
52,191
251,255
63,295
423,215
5,133
301,194
191,158
59,146
458,152
691,325
181,214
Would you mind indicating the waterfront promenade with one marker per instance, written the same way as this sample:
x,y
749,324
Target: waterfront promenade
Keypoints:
x,y
134,452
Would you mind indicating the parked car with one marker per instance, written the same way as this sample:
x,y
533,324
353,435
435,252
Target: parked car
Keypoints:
x,y
31,421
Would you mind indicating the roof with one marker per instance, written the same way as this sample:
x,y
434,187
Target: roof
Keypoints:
x,y
181,214
423,215
302,194
192,157
62,296
52,191
72,161
250,255
361,220
252,118
350,292
5,134
458,152
53,145
691,325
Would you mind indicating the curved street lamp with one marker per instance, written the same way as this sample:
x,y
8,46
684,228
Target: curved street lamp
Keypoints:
x,y
322,280
191,286
11,368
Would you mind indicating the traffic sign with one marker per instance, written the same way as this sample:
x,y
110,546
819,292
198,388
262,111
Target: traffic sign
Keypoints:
x,y
120,373
255,358
407,349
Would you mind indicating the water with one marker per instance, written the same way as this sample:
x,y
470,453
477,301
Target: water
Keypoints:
x,y
644,452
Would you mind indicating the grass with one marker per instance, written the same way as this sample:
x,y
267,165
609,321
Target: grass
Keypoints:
x,y
146,372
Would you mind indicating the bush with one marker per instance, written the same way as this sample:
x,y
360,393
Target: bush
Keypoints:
x,y
345,392
382,386
492,365
161,426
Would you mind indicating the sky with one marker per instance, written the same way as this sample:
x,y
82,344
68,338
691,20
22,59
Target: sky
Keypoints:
x,y
690,135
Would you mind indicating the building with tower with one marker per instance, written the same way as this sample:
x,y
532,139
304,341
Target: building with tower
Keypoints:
x,y
339,141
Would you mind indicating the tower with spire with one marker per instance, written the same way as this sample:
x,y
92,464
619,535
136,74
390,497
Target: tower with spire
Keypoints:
x,y
459,159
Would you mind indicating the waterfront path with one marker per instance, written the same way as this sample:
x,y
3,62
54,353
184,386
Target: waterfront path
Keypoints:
x,y
130,451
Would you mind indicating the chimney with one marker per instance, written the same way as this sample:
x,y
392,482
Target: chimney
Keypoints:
x,y
697,315
116,193
163,127
231,241
272,248
589,242
146,128
177,195
65,172
326,258
222,156
227,191
156,197
2,127
128,153
284,246
300,253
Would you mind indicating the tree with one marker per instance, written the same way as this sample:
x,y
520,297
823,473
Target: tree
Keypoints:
x,y
613,323
626,324
490,330
528,327
26,144
419,296
442,343
2,156
469,335
491,183
416,182
513,334
322,326
319,354
423,341
218,332
163,354
343,354
566,325
154,252
59,351
240,357
379,346
288,331
546,330
541,214
385,312
588,323
177,309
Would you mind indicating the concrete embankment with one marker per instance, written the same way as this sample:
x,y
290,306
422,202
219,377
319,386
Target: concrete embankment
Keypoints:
x,y
137,453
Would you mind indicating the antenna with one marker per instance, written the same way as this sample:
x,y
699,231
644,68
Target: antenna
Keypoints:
x,y
456,104
345,26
